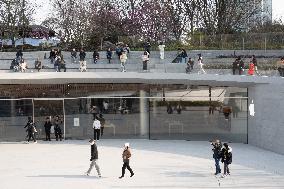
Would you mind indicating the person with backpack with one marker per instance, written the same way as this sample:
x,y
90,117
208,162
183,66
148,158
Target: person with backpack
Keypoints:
x,y
226,158
31,129
145,59
126,156
217,154
94,158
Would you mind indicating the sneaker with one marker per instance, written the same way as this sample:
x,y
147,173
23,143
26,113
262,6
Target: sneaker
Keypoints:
x,y
120,177
87,174
35,142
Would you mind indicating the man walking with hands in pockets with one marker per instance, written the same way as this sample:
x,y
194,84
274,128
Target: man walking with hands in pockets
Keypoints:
x,y
126,156
94,158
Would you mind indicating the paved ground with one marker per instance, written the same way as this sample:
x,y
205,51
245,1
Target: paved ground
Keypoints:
x,y
157,164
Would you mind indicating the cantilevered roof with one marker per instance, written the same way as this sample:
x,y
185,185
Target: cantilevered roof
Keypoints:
x,y
134,77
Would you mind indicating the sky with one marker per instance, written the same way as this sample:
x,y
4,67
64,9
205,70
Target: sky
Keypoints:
x,y
45,9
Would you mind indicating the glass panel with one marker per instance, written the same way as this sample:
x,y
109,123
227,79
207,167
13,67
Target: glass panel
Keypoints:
x,y
13,117
191,115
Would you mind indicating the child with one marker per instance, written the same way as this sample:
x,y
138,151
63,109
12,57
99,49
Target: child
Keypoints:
x,y
94,158
251,68
226,158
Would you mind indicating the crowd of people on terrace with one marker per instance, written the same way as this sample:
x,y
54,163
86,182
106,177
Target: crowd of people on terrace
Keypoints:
x,y
121,53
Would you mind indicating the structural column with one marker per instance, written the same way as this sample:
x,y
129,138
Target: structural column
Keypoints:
x,y
144,113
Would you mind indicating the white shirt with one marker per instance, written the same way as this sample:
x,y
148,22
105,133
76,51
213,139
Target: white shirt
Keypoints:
x,y
162,47
97,124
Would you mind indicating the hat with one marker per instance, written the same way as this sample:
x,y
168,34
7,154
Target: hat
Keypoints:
x,y
126,145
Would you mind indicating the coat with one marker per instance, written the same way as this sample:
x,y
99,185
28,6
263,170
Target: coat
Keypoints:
x,y
126,155
47,126
227,155
94,152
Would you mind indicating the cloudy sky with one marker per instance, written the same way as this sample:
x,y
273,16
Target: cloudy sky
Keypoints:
x,y
45,9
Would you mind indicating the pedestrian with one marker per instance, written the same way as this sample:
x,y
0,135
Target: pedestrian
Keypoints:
x,y
105,107
96,56
61,63
162,50
74,55
19,54
126,157
251,69
94,158
38,64
31,129
123,59
183,56
145,59
102,121
57,128
109,55
236,65
147,47
254,62
241,66
82,55
179,56
200,63
226,158
23,65
52,56
281,67
217,154
126,49
97,128
47,128
189,65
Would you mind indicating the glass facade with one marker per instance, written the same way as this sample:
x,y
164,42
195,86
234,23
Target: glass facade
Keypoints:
x,y
130,111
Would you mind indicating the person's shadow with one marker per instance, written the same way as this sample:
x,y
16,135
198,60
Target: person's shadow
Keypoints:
x,y
68,176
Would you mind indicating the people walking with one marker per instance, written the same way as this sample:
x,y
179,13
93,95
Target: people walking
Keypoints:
x,y
189,65
281,67
47,128
97,128
96,56
238,64
254,62
145,59
82,55
183,56
94,158
57,128
123,58
109,55
200,63
217,154
162,50
126,159
226,158
31,129
38,64
74,55
102,121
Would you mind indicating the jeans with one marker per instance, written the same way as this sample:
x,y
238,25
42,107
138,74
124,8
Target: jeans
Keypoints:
x,y
217,165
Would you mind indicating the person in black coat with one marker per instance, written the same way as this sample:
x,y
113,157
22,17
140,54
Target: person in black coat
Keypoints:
x,y
82,55
47,127
31,130
57,129
226,158
94,158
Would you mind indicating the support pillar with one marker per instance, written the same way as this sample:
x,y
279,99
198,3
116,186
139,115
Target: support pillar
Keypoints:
x,y
144,113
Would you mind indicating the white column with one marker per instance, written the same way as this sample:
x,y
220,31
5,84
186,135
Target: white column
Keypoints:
x,y
144,113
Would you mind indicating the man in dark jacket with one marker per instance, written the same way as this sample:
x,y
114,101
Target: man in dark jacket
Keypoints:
x,y
31,129
57,129
82,55
94,158
47,127
217,147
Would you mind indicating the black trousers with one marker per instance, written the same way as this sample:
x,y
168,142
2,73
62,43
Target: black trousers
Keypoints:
x,y
226,168
126,165
31,135
97,133
58,135
47,135
102,131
